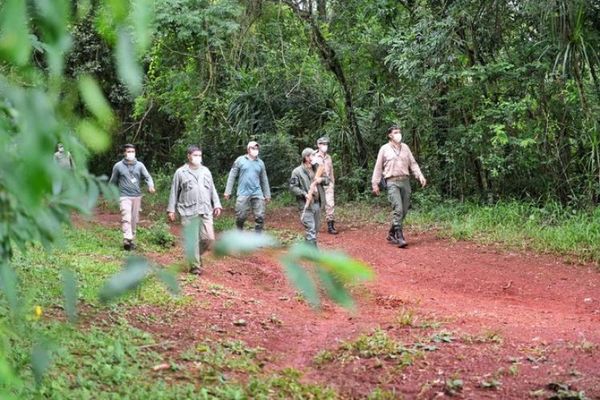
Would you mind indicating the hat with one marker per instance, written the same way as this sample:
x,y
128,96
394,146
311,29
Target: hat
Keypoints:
x,y
323,140
307,152
252,144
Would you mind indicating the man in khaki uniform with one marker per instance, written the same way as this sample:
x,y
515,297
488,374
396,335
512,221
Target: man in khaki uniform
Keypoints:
x,y
194,197
394,163
300,185
325,159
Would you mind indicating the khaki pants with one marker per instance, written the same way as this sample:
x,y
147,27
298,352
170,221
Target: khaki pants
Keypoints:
x,y
202,238
130,215
329,202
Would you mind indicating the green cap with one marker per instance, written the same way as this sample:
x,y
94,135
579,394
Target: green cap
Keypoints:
x,y
323,140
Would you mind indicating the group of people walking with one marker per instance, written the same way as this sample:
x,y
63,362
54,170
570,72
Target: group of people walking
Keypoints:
x,y
195,198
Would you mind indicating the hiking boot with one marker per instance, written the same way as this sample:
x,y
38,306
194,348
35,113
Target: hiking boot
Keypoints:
x,y
401,242
127,244
331,228
239,225
391,237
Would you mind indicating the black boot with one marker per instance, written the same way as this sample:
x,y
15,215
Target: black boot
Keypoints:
x,y
331,228
260,224
239,225
392,238
401,242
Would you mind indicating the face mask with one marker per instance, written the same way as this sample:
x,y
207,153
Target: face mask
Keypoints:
x,y
196,160
314,160
397,137
323,148
254,152
130,156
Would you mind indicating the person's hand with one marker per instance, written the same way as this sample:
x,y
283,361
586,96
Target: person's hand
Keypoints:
x,y
217,211
227,196
151,189
171,216
423,181
319,181
375,190
267,199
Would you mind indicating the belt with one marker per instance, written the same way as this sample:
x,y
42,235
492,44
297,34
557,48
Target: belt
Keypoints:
x,y
397,178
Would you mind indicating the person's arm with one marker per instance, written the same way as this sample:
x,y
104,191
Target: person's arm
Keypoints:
x,y
114,177
264,182
174,195
377,171
147,178
233,174
295,186
414,167
216,203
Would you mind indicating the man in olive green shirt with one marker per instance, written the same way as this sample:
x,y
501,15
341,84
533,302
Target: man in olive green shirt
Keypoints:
x,y
394,163
301,185
194,197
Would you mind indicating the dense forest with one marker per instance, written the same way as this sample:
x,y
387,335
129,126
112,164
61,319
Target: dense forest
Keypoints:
x,y
498,99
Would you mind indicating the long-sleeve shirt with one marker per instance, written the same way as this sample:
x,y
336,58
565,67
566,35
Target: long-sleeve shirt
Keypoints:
x,y
300,184
395,162
252,178
327,162
127,175
193,192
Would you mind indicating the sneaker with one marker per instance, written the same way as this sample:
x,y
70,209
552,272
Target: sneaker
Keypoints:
x,y
196,271
127,245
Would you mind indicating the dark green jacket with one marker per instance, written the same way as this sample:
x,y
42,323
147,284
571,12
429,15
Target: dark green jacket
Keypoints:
x,y
300,185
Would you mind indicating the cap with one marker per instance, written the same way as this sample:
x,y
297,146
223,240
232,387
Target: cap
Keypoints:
x,y
307,152
323,140
252,144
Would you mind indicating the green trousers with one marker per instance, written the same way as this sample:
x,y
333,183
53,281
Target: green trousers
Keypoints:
x,y
399,196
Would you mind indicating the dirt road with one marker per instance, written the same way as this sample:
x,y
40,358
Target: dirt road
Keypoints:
x,y
505,325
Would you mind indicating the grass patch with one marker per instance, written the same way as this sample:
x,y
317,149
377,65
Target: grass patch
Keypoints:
x,y
375,345
551,229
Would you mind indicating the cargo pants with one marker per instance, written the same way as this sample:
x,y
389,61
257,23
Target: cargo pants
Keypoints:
x,y
243,205
399,197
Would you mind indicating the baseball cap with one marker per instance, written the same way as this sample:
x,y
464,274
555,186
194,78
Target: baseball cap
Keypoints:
x,y
252,144
323,140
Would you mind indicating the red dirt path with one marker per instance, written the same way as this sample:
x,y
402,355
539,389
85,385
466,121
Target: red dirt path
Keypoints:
x,y
521,319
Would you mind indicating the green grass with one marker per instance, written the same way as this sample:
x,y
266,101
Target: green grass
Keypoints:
x,y
104,356
377,344
552,229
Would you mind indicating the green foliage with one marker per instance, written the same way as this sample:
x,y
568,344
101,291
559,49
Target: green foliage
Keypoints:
x,y
160,235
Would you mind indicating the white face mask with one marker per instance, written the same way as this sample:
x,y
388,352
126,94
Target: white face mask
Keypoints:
x,y
130,156
196,160
314,160
397,137
323,148
254,152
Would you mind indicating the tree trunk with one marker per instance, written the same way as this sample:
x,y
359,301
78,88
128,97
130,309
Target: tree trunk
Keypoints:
x,y
332,62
